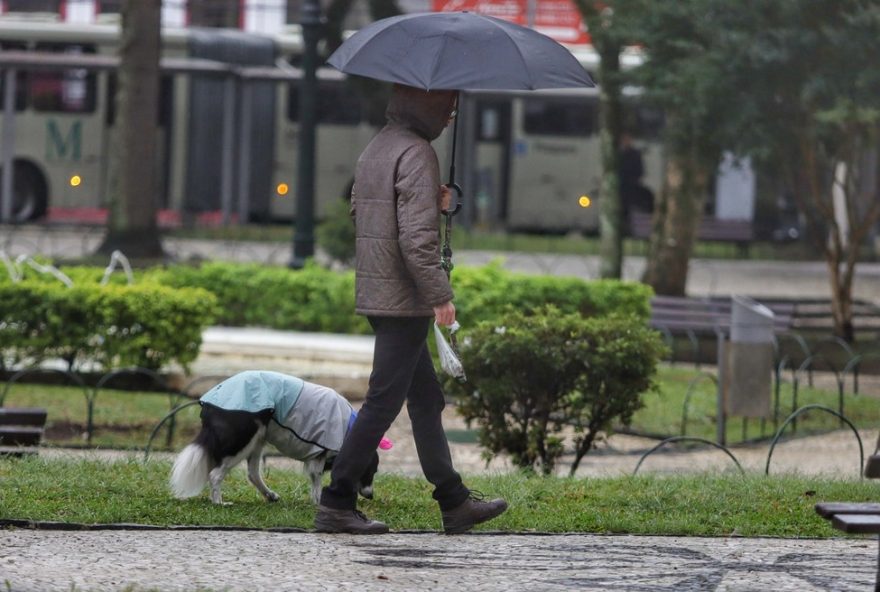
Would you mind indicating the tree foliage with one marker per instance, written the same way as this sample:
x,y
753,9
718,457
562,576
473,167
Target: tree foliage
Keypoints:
x,y
781,83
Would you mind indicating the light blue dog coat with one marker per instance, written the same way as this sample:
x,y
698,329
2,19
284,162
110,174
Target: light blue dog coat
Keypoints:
x,y
307,419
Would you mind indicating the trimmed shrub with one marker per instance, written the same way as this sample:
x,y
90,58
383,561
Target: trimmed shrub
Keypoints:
x,y
309,299
532,377
139,325
316,299
490,292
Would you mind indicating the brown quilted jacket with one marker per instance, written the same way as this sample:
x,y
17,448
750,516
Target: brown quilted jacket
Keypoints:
x,y
395,205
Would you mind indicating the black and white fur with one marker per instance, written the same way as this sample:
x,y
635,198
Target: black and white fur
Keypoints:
x,y
229,437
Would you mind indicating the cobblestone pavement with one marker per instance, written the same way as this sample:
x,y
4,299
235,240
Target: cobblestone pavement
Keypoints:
x,y
35,561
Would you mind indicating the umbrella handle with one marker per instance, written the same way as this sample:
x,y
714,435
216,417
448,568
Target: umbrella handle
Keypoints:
x,y
457,188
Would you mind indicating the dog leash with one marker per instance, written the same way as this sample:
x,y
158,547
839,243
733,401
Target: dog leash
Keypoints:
x,y
446,250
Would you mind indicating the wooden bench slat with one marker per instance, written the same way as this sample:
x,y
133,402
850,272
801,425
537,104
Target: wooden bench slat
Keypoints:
x,y
829,509
20,436
857,523
35,416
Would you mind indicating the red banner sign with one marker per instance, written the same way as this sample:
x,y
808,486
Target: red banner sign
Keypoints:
x,y
558,19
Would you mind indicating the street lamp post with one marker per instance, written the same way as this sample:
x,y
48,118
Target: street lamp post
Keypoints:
x,y
304,229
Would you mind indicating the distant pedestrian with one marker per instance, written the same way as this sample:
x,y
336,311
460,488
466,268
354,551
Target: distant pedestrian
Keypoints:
x,y
401,288
633,193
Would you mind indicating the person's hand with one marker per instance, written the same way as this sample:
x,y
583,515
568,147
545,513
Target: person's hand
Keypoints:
x,y
445,198
444,314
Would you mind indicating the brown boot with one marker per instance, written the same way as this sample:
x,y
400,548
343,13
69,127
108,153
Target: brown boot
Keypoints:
x,y
347,521
473,511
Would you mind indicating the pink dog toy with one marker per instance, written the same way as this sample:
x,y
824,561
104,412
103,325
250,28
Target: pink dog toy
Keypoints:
x,y
385,443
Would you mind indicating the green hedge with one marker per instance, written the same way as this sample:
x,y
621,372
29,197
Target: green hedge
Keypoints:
x,y
490,292
310,299
144,325
316,299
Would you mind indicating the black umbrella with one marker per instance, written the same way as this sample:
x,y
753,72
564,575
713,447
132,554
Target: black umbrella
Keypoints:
x,y
458,51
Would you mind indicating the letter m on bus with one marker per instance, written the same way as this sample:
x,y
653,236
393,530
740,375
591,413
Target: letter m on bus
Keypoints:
x,y
61,146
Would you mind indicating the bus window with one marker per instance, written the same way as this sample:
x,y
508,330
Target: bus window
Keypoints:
x,y
68,91
215,13
33,6
109,6
544,117
20,79
337,104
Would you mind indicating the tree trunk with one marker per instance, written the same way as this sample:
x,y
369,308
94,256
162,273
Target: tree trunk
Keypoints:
x,y
814,198
676,220
611,212
131,227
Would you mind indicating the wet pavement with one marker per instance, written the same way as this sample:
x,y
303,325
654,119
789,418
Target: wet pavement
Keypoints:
x,y
136,561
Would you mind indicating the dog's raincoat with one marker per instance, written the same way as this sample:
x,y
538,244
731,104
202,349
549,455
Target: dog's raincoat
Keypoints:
x,y
307,420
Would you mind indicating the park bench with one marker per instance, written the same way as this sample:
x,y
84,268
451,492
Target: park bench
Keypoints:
x,y
679,314
803,315
814,315
21,429
739,232
853,518
702,319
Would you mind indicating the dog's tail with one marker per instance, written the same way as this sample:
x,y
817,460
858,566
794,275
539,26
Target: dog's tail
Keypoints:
x,y
190,472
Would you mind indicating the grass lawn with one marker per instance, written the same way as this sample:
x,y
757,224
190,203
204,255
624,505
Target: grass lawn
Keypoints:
x,y
663,411
125,419
130,491
122,419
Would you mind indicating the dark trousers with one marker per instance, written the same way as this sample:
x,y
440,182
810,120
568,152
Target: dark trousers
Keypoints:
x,y
402,371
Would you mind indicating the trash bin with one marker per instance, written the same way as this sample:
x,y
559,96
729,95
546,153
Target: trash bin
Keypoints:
x,y
748,375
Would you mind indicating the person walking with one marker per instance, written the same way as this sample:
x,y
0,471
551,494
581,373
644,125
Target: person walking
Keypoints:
x,y
401,288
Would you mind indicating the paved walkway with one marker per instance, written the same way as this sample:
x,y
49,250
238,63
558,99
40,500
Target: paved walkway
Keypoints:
x,y
186,561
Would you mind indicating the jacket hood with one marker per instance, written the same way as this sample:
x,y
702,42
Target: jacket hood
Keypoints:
x,y
426,112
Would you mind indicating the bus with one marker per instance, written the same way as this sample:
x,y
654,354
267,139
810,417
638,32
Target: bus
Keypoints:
x,y
528,161
64,120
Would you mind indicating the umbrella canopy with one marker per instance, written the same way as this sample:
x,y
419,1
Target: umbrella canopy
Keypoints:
x,y
458,51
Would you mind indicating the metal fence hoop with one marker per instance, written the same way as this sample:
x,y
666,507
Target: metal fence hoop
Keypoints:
x,y
835,340
853,366
34,369
687,396
827,410
170,415
809,365
690,439
136,371
797,338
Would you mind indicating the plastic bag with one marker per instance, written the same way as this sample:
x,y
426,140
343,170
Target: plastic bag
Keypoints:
x,y
448,358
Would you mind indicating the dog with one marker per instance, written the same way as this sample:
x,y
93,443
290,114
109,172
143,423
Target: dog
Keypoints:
x,y
304,421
